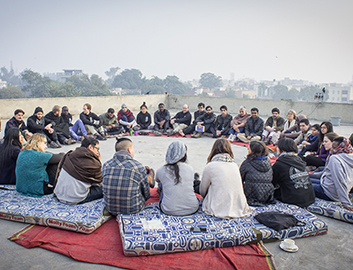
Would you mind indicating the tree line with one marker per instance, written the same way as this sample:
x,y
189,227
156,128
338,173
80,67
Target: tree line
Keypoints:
x,y
31,84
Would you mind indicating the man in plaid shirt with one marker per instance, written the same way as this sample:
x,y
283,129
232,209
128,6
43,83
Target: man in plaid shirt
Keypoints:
x,y
126,182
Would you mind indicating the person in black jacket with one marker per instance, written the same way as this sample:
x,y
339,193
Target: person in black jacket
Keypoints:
x,y
253,128
290,178
92,122
39,124
199,112
205,123
222,124
256,173
191,128
161,118
61,128
143,118
181,120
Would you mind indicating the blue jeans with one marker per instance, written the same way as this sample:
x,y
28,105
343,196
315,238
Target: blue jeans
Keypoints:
x,y
124,118
233,132
74,130
319,191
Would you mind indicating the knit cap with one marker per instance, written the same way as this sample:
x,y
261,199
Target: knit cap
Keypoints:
x,y
176,151
123,105
38,109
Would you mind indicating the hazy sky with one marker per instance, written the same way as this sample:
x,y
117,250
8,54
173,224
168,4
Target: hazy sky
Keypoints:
x,y
261,39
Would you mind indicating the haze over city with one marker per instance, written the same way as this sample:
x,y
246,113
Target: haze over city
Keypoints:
x,y
265,40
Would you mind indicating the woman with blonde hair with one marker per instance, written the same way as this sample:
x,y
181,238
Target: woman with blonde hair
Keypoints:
x,y
35,168
221,184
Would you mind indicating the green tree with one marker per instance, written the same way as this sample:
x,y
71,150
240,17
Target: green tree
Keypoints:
x,y
111,73
173,85
280,92
68,89
36,85
210,80
262,90
11,92
129,79
88,86
293,94
230,93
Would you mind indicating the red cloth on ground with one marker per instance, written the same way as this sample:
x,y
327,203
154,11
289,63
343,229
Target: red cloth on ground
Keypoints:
x,y
104,246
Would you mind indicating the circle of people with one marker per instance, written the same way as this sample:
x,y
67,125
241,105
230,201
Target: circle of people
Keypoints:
x,y
228,191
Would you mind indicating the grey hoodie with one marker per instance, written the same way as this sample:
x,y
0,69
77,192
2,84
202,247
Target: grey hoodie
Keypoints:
x,y
337,178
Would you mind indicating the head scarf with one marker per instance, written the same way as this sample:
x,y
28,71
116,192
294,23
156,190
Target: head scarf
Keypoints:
x,y
176,151
344,147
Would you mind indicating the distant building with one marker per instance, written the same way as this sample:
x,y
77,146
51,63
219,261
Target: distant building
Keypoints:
x,y
116,91
70,72
339,93
3,84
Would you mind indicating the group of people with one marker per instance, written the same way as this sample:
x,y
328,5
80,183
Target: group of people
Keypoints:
x,y
229,191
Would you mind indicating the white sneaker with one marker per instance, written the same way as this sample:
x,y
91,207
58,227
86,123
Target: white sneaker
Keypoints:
x,y
231,137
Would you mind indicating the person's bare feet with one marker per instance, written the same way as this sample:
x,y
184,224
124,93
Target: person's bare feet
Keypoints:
x,y
181,132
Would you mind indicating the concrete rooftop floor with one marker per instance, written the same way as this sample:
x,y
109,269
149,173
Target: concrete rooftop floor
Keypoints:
x,y
330,251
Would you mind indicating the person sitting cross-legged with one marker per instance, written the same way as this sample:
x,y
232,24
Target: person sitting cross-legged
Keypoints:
x,y
290,178
59,125
161,118
17,122
39,124
143,119
110,123
77,130
335,181
92,122
205,123
175,180
273,127
79,178
238,123
181,120
126,118
222,123
253,128
126,183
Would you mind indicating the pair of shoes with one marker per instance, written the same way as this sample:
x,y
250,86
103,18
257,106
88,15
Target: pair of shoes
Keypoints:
x,y
193,134
231,137
57,142
69,141
164,132
54,145
100,137
198,135
157,133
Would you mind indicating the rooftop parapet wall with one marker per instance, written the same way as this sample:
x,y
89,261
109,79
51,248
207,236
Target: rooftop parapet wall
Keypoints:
x,y
313,110
75,104
320,111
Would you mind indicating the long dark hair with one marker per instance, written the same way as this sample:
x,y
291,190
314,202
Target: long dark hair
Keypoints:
x,y
12,138
329,130
175,169
258,149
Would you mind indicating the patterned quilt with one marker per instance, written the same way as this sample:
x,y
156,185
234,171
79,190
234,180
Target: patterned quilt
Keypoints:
x,y
48,211
152,232
330,209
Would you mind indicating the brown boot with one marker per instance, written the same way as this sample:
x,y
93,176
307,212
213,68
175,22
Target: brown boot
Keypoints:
x,y
198,135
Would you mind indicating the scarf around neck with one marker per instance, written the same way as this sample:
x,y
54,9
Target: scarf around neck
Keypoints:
x,y
223,157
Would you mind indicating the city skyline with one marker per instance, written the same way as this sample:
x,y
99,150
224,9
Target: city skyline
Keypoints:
x,y
264,40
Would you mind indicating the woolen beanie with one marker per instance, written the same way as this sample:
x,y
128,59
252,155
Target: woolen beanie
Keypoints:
x,y
123,105
38,109
176,151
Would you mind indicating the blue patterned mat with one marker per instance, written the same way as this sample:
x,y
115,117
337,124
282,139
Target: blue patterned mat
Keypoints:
x,y
330,209
48,211
152,232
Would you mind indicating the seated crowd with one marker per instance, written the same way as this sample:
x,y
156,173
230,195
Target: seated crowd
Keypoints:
x,y
124,184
